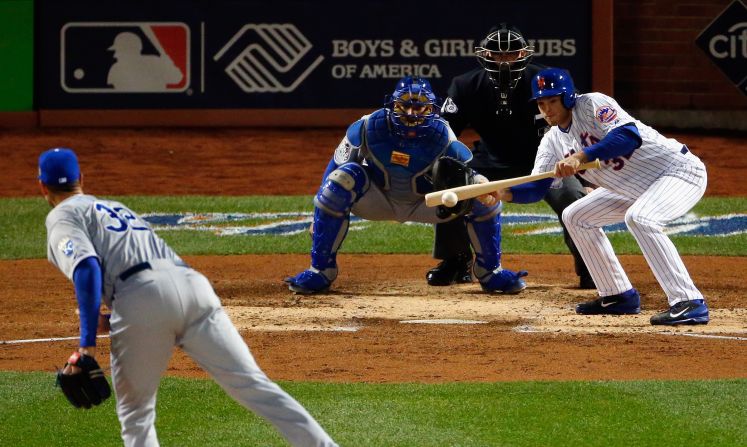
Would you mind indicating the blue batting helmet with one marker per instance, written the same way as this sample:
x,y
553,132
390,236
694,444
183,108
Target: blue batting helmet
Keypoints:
x,y
554,82
412,106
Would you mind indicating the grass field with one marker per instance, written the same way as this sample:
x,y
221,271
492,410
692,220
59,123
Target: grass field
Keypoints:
x,y
24,235
197,412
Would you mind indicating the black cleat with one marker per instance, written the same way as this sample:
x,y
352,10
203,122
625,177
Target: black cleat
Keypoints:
x,y
626,303
684,312
457,270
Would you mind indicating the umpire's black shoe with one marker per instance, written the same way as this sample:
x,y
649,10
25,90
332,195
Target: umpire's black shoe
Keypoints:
x,y
586,283
628,302
457,270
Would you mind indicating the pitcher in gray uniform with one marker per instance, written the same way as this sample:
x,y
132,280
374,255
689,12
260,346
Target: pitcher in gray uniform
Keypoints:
x,y
157,302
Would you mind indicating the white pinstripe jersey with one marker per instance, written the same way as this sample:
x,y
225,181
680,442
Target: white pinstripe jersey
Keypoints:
x,y
82,226
595,115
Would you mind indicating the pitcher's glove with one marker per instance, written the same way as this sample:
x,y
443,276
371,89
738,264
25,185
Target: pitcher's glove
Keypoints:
x,y
87,386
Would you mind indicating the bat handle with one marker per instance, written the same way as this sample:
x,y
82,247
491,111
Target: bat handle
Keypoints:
x,y
596,164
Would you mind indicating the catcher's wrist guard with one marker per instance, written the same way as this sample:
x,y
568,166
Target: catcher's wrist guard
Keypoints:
x,y
448,172
87,387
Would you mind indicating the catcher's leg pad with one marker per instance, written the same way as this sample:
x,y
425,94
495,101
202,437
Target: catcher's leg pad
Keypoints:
x,y
86,388
484,229
332,204
342,188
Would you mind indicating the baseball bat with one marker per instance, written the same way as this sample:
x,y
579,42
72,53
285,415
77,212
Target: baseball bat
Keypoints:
x,y
470,191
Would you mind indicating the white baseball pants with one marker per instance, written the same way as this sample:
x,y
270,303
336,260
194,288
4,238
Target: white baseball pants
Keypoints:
x,y
167,306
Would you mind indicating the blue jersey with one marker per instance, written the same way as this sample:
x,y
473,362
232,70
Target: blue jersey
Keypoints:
x,y
399,166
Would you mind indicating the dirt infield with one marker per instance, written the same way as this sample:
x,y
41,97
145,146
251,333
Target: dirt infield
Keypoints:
x,y
371,327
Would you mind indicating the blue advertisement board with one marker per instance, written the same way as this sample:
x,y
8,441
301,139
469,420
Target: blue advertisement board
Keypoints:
x,y
290,54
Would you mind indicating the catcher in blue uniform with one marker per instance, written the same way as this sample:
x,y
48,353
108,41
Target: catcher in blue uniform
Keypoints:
x,y
383,168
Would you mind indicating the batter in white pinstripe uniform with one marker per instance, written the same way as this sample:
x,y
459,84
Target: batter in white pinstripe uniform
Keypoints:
x,y
646,181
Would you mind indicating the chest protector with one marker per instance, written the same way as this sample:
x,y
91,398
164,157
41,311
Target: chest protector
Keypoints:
x,y
399,165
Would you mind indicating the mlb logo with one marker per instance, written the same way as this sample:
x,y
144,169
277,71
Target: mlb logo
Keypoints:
x,y
125,57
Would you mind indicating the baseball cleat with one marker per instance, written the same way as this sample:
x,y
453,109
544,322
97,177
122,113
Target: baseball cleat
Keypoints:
x,y
504,281
308,282
684,312
626,303
456,270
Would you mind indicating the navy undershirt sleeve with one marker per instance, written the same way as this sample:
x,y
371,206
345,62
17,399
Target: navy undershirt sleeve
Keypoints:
x,y
620,141
530,192
87,280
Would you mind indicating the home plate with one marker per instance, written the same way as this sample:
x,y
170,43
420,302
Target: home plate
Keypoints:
x,y
443,321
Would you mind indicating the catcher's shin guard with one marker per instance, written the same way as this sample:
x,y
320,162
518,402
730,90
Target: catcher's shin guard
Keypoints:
x,y
484,229
331,220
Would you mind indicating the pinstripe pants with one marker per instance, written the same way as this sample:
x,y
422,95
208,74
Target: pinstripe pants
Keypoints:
x,y
669,197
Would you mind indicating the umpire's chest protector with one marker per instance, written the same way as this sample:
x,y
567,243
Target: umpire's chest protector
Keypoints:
x,y
399,164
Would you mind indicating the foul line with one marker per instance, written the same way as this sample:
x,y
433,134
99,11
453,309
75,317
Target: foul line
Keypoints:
x,y
41,340
723,337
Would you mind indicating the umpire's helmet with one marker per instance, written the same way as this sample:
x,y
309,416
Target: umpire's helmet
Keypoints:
x,y
504,54
554,82
412,107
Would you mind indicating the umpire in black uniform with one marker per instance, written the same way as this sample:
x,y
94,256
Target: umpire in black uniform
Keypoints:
x,y
495,101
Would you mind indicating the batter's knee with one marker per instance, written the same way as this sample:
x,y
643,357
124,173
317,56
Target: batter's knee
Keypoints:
x,y
570,217
636,218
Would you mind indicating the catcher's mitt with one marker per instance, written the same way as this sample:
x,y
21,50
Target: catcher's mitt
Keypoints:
x,y
448,173
86,387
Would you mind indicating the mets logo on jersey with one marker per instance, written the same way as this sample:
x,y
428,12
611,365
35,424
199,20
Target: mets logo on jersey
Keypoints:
x,y
66,247
125,57
606,114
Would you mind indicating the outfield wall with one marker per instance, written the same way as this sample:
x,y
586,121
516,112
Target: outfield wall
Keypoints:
x,y
295,63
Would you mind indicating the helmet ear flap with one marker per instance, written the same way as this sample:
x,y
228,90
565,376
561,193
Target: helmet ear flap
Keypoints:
x,y
569,99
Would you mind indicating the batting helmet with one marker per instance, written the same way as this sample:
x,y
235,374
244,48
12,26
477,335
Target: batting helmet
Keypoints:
x,y
554,82
504,54
412,106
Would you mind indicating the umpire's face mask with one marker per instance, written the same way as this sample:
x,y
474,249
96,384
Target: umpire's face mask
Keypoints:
x,y
504,54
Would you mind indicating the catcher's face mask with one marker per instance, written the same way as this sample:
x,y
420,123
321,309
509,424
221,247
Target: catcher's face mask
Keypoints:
x,y
412,107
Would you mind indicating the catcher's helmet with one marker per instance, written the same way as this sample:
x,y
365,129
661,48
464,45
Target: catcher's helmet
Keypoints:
x,y
412,106
554,82
504,54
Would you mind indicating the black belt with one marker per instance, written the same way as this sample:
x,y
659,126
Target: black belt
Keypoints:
x,y
684,150
137,268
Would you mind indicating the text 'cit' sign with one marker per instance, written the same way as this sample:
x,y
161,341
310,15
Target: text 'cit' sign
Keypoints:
x,y
724,41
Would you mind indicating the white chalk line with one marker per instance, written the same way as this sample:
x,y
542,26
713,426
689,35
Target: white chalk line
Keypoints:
x,y
43,340
689,334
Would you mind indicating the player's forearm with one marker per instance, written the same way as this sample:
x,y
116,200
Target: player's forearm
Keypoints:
x,y
620,141
87,280
528,192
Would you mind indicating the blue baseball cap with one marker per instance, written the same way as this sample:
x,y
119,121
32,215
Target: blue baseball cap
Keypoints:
x,y
58,166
